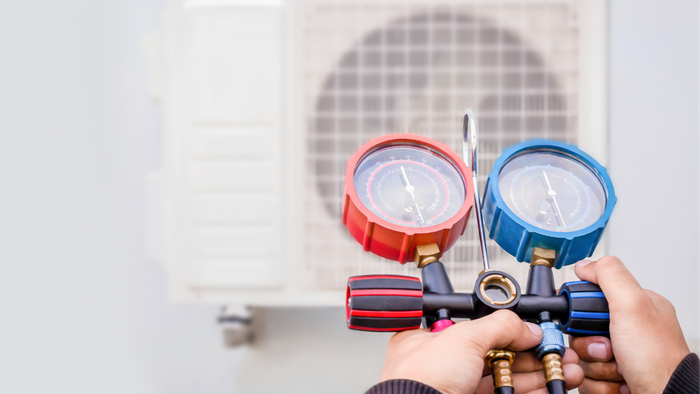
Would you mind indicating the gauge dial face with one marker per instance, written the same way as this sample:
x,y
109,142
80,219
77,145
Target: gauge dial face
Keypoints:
x,y
552,190
409,185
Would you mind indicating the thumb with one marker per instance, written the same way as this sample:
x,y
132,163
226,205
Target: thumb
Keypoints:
x,y
499,330
613,277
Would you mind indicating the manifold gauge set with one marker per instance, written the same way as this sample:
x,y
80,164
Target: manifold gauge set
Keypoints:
x,y
408,199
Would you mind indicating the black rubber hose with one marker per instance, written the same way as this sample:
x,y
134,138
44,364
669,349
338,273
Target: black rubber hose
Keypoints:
x,y
556,387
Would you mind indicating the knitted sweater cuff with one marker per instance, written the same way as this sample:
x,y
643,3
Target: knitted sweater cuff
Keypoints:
x,y
401,386
686,377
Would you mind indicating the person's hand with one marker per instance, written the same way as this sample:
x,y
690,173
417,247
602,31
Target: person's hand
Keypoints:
x,y
452,361
646,340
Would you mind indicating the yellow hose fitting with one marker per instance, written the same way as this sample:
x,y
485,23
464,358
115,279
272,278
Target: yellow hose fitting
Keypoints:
x,y
500,362
553,369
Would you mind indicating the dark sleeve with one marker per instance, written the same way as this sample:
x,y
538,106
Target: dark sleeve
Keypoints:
x,y
401,386
686,377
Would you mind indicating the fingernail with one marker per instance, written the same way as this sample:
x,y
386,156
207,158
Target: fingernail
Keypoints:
x,y
625,389
583,263
597,351
535,329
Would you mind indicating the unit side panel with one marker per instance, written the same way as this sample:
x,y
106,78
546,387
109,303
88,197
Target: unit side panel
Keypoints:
x,y
230,174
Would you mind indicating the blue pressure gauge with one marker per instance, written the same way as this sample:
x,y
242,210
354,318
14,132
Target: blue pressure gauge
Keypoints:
x,y
549,195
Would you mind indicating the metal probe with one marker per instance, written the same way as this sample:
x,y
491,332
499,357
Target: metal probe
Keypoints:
x,y
469,127
500,361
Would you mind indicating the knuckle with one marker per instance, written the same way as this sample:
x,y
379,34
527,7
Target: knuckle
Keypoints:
x,y
398,338
612,388
590,386
669,306
499,326
603,372
655,298
570,356
577,344
610,264
652,294
507,320
406,340
607,371
586,387
506,317
660,302
664,304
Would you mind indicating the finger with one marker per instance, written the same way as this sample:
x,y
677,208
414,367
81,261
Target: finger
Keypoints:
x,y
606,371
499,330
539,391
528,362
570,357
614,279
529,381
592,348
574,375
590,386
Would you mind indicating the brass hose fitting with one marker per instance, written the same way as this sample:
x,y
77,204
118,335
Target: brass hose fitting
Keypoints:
x,y
500,362
553,369
426,254
543,257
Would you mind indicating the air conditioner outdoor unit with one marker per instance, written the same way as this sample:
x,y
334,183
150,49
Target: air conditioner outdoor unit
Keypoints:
x,y
264,101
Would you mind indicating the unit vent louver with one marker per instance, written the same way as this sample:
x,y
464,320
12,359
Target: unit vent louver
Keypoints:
x,y
397,68
264,102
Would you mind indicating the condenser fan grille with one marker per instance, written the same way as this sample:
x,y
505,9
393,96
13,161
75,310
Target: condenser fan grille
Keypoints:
x,y
371,70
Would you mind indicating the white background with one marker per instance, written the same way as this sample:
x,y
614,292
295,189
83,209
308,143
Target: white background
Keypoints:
x,y
81,308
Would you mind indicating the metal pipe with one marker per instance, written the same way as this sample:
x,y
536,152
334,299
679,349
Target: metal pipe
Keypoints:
x,y
469,127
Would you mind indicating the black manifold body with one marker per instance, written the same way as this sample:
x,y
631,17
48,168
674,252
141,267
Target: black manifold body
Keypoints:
x,y
396,303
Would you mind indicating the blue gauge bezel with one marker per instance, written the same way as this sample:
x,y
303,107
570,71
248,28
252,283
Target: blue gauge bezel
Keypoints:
x,y
555,237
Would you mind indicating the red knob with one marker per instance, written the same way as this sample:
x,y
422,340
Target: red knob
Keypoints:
x,y
394,241
384,303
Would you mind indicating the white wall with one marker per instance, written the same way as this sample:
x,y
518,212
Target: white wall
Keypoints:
x,y
82,311
654,148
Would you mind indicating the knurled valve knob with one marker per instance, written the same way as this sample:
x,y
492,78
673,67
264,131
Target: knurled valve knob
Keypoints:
x,y
552,340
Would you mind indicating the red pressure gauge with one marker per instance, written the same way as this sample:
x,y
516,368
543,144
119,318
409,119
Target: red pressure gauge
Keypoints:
x,y
403,191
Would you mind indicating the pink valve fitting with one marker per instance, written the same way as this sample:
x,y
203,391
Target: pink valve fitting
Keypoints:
x,y
441,325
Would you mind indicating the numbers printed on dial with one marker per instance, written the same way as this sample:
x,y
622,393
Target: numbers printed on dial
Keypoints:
x,y
552,191
409,185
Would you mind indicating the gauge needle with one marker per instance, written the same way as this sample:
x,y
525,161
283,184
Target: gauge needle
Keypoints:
x,y
553,194
410,189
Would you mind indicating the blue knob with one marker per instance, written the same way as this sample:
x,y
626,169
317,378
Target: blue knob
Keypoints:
x,y
588,309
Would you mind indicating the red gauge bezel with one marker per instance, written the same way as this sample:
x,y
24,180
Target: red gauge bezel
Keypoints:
x,y
392,241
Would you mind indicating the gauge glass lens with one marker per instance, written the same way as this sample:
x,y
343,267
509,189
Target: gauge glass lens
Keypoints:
x,y
552,190
409,185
